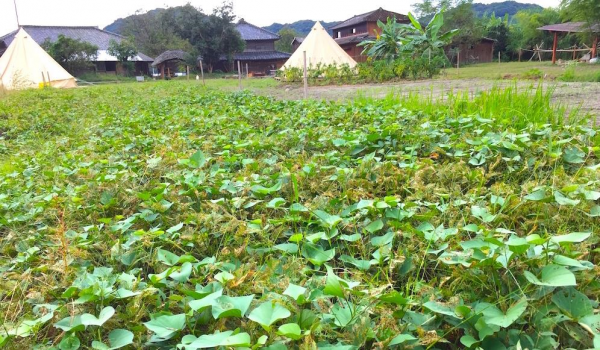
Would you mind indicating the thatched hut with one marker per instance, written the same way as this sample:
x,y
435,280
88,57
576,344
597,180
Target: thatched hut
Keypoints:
x,y
171,61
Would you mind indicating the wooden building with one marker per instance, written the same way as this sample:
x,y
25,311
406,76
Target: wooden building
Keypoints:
x,y
355,30
479,52
259,55
296,43
104,63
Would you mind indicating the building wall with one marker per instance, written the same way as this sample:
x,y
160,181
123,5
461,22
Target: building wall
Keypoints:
x,y
260,45
295,46
258,68
352,30
481,52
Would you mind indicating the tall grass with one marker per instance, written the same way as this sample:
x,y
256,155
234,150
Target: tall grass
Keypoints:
x,y
514,106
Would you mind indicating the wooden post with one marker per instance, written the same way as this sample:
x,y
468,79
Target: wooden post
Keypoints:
x,y
169,72
240,74
458,60
44,79
520,54
247,73
202,72
574,52
162,71
554,47
187,69
305,78
595,48
499,61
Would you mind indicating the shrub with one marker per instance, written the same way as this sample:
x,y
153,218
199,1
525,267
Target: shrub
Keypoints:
x,y
533,74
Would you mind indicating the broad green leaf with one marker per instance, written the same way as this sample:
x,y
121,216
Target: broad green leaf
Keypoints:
x,y
468,341
258,189
224,339
363,265
329,221
332,284
198,159
343,314
226,306
538,195
205,302
183,274
295,292
276,203
482,213
117,339
70,323
290,330
268,313
91,320
512,314
575,237
573,303
440,309
167,257
374,226
165,327
401,339
564,200
69,342
553,276
380,241
317,255
394,298
289,248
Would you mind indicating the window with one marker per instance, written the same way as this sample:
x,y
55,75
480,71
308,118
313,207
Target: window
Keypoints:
x,y
353,30
339,35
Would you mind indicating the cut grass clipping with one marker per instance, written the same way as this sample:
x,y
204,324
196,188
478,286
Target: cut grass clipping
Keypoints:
x,y
167,215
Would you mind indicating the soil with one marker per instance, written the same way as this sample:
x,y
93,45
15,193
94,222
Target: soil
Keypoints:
x,y
585,96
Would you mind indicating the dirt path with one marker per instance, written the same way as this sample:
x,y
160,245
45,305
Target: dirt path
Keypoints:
x,y
574,95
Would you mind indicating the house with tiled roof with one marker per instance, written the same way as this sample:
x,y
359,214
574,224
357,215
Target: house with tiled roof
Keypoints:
x,y
260,54
355,30
105,63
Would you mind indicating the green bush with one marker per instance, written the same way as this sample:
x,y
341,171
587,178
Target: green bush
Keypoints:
x,y
533,74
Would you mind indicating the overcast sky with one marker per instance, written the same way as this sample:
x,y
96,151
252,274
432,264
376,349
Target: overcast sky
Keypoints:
x,y
259,12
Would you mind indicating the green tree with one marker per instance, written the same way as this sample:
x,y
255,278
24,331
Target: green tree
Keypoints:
x,y
524,32
151,33
498,28
74,55
213,36
123,50
457,14
581,10
286,35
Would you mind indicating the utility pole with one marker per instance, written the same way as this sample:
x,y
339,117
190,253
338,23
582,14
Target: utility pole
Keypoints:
x,y
17,13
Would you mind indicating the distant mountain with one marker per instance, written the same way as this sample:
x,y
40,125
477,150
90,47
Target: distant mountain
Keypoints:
x,y
503,8
302,27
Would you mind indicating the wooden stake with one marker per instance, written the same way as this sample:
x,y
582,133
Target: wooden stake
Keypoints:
x,y
305,78
247,73
595,48
520,53
240,74
202,72
187,69
458,60
44,79
554,47
499,61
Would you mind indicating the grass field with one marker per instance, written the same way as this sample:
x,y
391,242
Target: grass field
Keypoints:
x,y
525,70
169,215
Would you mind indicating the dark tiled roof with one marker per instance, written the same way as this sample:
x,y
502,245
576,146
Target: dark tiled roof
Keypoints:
x,y
571,27
92,35
259,56
358,38
373,16
250,32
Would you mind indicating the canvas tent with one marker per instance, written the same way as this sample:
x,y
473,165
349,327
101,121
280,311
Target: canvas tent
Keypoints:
x,y
25,64
320,48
